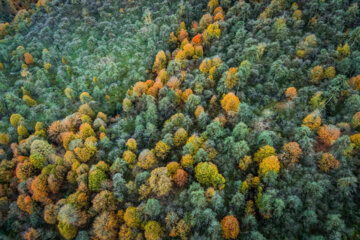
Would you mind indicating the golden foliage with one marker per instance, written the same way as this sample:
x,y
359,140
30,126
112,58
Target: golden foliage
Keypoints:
x,y
344,50
29,101
86,131
172,167
355,139
132,217
160,61
198,111
230,102
269,164
231,79
153,231
328,162
160,182
131,144
330,72
317,74
180,137
312,121
161,149
264,152
129,157
4,138
245,163
25,203
187,161
16,119
207,173
146,159
86,109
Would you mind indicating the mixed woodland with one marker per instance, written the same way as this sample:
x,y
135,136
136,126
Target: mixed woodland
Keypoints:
x,y
184,120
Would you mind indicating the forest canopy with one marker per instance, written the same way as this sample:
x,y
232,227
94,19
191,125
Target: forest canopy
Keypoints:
x,y
190,120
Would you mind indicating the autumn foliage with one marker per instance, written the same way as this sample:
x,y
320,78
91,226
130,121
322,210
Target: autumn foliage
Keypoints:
x,y
312,121
230,227
328,134
290,93
328,162
269,164
230,102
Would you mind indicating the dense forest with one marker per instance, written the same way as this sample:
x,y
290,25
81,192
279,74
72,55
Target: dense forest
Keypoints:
x,y
180,119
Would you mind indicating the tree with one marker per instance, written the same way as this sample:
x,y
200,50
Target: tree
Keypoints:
x,y
160,61
355,139
290,93
96,177
328,134
28,58
132,217
24,170
55,130
129,157
25,203
86,131
230,227
264,152
40,189
187,161
180,177
355,82
180,137
161,149
146,159
317,74
291,155
69,219
104,201
230,102
231,80
153,208
312,121
38,160
131,144
172,167
212,32
207,173
105,226
50,213
328,162
153,231
16,119
269,164
355,120
119,186
160,182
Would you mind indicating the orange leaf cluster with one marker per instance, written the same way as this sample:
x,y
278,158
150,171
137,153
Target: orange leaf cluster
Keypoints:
x,y
355,82
328,134
180,177
290,93
230,227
